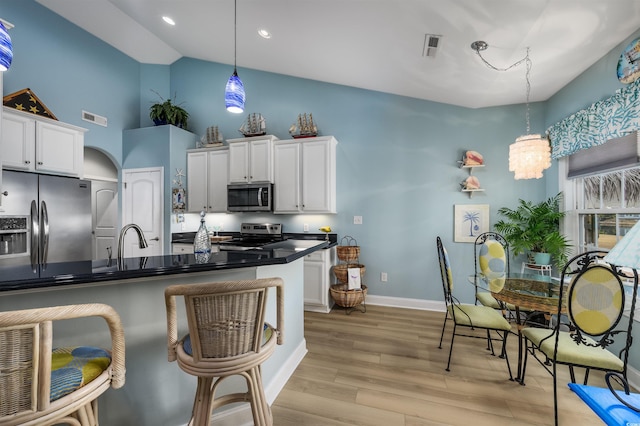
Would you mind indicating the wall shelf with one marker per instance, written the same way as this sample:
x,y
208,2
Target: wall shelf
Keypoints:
x,y
471,191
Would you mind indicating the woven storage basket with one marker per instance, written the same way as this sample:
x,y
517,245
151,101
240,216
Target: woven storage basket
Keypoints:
x,y
348,253
340,271
348,250
347,298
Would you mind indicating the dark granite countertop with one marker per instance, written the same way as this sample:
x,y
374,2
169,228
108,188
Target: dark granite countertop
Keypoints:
x,y
14,278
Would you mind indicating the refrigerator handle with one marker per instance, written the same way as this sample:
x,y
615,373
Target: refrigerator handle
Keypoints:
x,y
44,221
35,236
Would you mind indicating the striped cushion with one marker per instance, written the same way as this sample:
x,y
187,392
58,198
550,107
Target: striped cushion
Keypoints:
x,y
74,367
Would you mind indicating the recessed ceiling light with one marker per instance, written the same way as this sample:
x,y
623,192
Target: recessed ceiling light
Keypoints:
x,y
264,33
168,20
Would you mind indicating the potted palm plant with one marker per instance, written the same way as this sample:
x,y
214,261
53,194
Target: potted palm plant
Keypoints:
x,y
167,112
535,229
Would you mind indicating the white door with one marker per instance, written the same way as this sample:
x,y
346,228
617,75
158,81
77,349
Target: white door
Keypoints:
x,y
104,218
143,201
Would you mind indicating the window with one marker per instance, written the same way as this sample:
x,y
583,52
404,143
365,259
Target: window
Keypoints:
x,y
607,206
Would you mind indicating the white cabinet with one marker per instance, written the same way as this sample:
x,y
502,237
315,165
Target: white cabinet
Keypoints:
x,y
317,279
305,175
40,144
207,174
251,159
178,248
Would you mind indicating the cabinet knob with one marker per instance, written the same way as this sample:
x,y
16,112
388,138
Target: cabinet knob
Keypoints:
x,y
27,162
40,163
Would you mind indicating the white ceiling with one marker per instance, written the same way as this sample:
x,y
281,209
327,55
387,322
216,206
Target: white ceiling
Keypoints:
x,y
375,44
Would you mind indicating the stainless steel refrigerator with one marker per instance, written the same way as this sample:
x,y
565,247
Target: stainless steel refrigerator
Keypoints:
x,y
57,214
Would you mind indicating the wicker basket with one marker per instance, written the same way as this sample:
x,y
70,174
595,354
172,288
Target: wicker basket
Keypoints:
x,y
341,273
348,253
348,250
347,298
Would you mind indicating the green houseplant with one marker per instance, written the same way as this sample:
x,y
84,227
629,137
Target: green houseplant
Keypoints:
x,y
535,228
167,112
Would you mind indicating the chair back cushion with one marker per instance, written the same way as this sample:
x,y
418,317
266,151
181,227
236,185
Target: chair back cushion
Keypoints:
x,y
74,367
596,300
446,266
492,259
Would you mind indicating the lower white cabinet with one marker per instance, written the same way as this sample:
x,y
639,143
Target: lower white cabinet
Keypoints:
x,y
317,280
179,248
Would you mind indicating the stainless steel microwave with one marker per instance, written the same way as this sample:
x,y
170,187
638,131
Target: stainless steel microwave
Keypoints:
x,y
250,197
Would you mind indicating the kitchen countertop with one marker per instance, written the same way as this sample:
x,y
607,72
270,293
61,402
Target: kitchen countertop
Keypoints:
x,y
72,273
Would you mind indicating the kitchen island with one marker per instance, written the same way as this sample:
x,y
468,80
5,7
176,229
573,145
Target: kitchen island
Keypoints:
x,y
158,392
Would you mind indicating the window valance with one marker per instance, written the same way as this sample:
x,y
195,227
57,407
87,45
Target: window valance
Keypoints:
x,y
606,119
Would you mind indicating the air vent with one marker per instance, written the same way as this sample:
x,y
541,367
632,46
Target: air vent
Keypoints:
x,y
431,43
94,118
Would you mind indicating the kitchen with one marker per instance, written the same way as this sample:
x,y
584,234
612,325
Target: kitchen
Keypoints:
x,y
400,178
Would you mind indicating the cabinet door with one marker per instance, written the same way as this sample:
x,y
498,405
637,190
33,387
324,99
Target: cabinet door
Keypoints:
x,y
260,161
286,169
239,162
59,149
318,177
315,292
197,182
217,181
17,145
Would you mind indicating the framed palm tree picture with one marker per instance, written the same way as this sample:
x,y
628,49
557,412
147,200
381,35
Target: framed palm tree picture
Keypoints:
x,y
470,220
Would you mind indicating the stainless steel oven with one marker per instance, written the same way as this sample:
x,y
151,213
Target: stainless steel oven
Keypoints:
x,y
250,197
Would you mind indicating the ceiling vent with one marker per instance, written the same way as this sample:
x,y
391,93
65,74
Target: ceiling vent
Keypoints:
x,y
94,118
431,43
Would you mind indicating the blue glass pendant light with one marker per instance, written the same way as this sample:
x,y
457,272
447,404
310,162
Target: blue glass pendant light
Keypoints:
x,y
6,49
234,92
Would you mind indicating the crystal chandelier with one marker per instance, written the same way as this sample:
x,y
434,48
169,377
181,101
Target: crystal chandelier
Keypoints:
x,y
530,154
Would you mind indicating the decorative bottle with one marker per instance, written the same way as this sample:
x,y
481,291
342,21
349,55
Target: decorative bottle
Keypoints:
x,y
202,242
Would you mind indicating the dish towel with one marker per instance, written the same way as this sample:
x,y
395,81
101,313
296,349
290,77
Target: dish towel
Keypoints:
x,y
354,281
605,405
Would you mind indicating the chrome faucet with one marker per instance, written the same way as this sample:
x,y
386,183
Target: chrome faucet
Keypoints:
x,y
142,242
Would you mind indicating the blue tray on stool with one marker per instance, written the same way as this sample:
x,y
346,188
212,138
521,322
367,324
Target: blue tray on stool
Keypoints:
x,y
605,405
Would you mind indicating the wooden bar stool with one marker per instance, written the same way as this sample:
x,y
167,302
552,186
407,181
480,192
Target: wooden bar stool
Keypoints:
x,y
227,336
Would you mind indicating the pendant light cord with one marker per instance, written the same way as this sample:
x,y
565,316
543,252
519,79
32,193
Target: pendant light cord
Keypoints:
x,y
235,34
527,60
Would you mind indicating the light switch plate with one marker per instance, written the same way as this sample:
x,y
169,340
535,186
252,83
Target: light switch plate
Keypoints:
x,y
357,220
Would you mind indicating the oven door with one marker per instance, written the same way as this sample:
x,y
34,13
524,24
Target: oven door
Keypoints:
x,y
249,197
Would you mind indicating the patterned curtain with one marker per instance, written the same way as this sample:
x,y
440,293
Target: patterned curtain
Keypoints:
x,y
606,119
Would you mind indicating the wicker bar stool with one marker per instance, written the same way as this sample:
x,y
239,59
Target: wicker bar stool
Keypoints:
x,y
227,336
43,386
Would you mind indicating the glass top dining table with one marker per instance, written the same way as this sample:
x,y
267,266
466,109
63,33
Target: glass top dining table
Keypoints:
x,y
527,293
533,292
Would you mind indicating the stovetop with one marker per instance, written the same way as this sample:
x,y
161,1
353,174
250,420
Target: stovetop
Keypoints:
x,y
254,236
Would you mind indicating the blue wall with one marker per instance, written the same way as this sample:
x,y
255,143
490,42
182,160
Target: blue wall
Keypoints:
x,y
397,156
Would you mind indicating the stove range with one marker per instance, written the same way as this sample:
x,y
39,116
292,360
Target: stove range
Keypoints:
x,y
253,236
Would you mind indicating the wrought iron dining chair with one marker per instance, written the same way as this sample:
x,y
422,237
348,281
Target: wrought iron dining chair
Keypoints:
x,y
595,302
228,336
41,385
491,259
469,316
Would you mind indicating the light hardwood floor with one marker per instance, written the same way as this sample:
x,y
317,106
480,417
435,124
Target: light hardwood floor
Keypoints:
x,y
383,367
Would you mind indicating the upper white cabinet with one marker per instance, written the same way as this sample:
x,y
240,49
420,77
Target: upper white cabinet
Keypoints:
x,y
40,144
251,159
207,173
305,175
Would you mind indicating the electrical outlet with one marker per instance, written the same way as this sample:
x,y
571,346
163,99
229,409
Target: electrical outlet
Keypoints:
x,y
383,277
305,227
357,220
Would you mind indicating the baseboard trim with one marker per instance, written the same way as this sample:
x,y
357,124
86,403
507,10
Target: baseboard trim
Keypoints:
x,y
401,302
